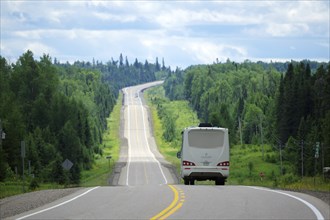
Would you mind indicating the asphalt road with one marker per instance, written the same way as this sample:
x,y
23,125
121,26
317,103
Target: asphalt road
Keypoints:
x,y
144,163
182,202
147,189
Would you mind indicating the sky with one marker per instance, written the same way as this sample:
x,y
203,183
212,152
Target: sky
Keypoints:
x,y
183,33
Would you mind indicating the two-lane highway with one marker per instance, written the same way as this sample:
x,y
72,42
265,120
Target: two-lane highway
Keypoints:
x,y
143,166
147,190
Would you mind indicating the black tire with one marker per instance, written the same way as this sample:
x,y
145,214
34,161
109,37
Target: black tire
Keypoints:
x,y
186,181
220,182
192,182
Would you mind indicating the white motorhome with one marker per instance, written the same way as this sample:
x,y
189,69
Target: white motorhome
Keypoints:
x,y
204,154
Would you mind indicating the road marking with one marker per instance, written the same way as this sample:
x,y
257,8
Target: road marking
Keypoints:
x,y
318,214
126,91
129,137
173,207
55,206
145,136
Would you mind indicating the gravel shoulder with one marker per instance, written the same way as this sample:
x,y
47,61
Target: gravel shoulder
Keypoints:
x,y
15,205
324,196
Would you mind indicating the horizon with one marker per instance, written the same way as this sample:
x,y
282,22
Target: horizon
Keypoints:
x,y
131,61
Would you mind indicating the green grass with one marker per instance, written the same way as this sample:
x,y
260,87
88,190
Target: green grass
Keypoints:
x,y
309,183
246,162
184,117
11,188
102,168
242,156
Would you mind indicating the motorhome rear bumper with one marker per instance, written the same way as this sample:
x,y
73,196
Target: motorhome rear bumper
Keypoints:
x,y
205,173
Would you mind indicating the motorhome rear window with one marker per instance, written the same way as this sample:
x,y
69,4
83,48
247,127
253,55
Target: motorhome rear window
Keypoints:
x,y
205,138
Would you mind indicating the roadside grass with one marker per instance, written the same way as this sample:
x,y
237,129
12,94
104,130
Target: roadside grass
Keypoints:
x,y
317,183
183,117
102,168
246,161
247,166
11,188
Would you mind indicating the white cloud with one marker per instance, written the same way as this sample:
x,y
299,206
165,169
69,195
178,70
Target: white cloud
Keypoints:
x,y
182,32
183,17
282,30
35,34
197,49
109,16
206,52
58,16
39,49
292,18
325,44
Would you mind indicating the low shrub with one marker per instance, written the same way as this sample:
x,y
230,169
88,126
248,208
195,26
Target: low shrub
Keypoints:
x,y
33,184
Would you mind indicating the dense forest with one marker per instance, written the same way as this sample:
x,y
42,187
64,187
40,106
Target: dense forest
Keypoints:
x,y
59,110
283,104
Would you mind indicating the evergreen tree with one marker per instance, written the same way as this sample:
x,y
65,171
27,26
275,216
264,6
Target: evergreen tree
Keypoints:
x,y
163,65
157,65
121,60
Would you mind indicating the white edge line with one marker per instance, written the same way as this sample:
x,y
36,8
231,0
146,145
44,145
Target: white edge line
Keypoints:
x,y
145,136
318,214
128,138
55,206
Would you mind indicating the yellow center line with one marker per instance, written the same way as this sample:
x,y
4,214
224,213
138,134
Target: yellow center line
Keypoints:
x,y
173,207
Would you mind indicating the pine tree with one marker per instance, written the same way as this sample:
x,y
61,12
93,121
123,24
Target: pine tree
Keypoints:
x,y
126,62
289,105
157,65
163,65
121,60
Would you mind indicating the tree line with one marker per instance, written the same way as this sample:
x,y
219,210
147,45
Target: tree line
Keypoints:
x,y
260,104
120,73
59,110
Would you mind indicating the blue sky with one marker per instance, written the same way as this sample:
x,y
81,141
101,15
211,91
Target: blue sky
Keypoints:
x,y
182,32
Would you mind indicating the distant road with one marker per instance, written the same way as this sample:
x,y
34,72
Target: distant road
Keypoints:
x,y
143,159
147,189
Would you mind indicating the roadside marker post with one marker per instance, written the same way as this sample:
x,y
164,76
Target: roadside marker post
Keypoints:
x,y
109,159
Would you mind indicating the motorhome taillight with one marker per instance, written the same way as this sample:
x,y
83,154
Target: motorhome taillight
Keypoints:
x,y
187,163
223,164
